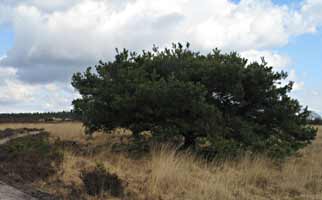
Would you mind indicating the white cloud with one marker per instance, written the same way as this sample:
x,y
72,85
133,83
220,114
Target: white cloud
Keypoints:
x,y
298,86
48,6
310,98
7,72
61,37
292,75
315,93
5,13
273,59
311,9
17,96
54,39
15,92
245,26
11,90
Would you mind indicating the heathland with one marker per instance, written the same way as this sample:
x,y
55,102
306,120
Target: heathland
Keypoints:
x,y
156,173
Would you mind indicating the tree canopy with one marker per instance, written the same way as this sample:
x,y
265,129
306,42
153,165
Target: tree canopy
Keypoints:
x,y
220,99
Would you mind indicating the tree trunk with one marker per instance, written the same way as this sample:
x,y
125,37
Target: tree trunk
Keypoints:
x,y
189,143
136,136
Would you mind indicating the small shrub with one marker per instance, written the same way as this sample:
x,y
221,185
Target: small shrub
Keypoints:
x,y
30,158
6,133
135,149
99,180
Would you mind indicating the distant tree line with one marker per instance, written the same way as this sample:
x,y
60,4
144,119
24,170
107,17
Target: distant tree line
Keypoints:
x,y
38,117
314,118
316,121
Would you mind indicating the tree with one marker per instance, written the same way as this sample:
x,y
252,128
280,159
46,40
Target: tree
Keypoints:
x,y
217,98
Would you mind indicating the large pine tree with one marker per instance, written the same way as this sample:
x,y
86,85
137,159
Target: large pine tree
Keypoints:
x,y
219,98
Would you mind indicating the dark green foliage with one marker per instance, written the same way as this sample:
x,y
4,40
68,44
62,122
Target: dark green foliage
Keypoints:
x,y
30,158
219,98
100,180
135,149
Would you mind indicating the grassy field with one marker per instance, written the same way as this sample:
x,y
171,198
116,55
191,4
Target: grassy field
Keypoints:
x,y
167,175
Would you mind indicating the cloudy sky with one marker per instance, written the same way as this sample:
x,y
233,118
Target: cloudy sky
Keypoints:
x,y
43,42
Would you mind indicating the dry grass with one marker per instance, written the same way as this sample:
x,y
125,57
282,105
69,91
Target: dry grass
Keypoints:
x,y
64,130
167,175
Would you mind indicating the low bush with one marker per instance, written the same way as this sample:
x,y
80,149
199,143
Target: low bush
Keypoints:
x,y
6,133
99,181
30,158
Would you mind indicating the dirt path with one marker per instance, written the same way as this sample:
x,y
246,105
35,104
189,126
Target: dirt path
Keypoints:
x,y
5,140
10,193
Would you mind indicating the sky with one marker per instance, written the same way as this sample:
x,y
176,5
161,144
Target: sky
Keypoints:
x,y
42,43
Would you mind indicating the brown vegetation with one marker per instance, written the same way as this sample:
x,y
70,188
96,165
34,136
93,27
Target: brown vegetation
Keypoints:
x,y
29,158
165,174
